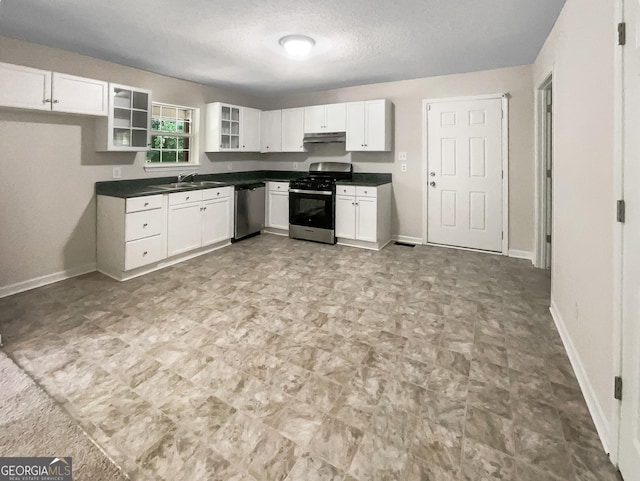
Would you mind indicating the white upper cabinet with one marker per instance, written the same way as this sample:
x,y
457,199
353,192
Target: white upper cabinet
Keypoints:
x,y
271,131
30,88
231,128
293,130
369,125
128,125
249,130
325,118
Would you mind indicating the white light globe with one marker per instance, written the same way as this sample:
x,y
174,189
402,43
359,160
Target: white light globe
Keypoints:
x,y
297,45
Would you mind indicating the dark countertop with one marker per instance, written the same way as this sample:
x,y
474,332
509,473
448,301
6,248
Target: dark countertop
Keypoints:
x,y
142,187
367,179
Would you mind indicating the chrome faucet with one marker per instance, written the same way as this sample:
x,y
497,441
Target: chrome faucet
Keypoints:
x,y
182,177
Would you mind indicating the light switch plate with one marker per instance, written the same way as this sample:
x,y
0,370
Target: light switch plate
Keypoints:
x,y
402,156
117,173
403,167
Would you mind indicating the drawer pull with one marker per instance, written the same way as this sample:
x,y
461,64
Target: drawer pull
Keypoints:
x,y
365,191
188,197
146,204
217,193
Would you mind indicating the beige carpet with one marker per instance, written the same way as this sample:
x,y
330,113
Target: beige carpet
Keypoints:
x,y
32,424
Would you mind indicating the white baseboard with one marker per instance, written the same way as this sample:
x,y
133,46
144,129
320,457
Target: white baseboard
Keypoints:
x,y
597,413
408,239
518,254
44,280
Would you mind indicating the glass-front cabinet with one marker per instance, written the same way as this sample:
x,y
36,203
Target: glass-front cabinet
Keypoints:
x,y
230,127
222,132
127,126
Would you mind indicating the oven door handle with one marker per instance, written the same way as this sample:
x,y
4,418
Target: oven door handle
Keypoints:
x,y
315,192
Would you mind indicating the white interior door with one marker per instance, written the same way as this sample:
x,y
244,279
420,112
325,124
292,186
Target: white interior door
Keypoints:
x,y
464,148
629,448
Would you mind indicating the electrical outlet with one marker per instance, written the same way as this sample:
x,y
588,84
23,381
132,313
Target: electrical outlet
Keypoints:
x,y
295,166
117,173
403,167
402,156
229,166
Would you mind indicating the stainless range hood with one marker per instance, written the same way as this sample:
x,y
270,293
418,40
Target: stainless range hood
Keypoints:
x,y
325,138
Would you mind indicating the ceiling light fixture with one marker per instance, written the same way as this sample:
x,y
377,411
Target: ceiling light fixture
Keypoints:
x,y
297,45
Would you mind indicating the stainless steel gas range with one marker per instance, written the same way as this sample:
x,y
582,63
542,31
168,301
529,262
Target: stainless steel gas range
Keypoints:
x,y
312,204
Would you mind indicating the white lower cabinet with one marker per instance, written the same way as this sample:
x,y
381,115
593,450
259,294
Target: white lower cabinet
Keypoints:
x,y
199,218
141,234
277,207
131,233
363,215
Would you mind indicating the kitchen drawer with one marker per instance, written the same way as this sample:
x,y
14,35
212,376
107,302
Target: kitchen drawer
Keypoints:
x,y
366,191
142,252
279,186
218,193
135,204
185,197
346,189
143,224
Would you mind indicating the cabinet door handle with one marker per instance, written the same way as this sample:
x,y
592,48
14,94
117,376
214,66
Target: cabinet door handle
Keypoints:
x,y
217,193
45,101
56,101
204,208
144,225
145,253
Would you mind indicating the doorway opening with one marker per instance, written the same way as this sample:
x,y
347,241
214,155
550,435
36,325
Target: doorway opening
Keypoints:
x,y
545,174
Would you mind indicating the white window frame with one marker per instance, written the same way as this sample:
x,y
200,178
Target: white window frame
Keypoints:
x,y
194,143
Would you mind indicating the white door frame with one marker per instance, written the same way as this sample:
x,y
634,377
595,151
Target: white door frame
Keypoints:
x,y
505,164
618,193
540,168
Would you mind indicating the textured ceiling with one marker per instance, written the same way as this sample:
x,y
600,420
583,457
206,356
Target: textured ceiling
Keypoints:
x,y
235,42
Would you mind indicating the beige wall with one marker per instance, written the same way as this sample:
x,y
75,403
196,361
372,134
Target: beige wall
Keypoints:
x,y
407,96
580,52
48,165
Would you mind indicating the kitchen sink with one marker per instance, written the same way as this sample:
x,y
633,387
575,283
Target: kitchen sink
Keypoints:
x,y
205,183
187,185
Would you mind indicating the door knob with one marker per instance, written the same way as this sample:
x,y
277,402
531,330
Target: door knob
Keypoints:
x,y
432,184
432,174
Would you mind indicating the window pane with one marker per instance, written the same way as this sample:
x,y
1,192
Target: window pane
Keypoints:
x,y
183,114
183,142
155,124
168,156
156,141
153,156
183,156
169,112
170,142
168,125
156,110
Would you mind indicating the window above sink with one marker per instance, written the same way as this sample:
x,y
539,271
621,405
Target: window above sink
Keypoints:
x,y
174,137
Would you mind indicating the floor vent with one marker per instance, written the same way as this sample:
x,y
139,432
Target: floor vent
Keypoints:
x,y
404,244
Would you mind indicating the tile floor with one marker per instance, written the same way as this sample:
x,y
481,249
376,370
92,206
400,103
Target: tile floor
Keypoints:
x,y
276,359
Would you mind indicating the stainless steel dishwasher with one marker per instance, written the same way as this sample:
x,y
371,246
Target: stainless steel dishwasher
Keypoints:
x,y
249,216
